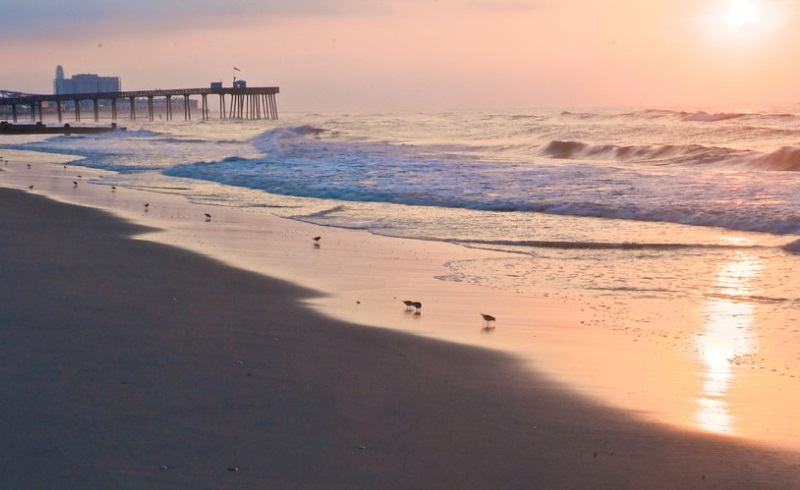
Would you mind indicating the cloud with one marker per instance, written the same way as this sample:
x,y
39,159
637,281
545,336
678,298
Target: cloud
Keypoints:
x,y
51,18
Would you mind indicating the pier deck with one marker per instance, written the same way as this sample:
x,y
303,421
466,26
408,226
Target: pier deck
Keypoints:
x,y
244,103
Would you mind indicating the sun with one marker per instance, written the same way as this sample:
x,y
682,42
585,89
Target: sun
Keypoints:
x,y
741,13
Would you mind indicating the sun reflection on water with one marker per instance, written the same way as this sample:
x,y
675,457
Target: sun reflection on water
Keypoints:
x,y
727,333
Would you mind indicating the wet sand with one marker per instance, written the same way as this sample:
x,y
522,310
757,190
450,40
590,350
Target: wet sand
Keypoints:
x,y
131,364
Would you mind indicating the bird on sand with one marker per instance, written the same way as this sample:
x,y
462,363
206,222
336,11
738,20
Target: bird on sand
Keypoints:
x,y
418,306
208,217
74,184
317,238
489,327
113,188
147,207
409,304
30,187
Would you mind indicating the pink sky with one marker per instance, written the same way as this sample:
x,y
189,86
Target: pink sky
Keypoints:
x,y
420,55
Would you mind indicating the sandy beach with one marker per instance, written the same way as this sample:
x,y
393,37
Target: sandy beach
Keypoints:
x,y
134,364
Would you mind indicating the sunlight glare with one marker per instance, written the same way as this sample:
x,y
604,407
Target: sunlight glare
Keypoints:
x,y
741,13
728,332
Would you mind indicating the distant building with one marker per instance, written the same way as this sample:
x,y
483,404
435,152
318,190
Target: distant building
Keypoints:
x,y
84,83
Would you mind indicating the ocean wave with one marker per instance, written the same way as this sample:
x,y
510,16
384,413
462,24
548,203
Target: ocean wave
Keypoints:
x,y
792,247
642,153
709,117
579,115
703,116
649,114
585,245
290,132
784,159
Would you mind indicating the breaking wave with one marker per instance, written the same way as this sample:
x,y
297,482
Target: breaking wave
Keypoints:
x,y
706,117
785,159
660,154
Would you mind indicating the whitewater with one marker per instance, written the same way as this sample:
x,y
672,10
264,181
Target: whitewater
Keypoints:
x,y
606,187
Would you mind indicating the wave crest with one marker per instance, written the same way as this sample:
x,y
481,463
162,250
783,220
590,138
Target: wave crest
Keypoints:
x,y
785,159
654,153
792,247
703,116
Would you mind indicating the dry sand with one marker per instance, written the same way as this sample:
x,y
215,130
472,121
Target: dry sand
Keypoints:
x,y
130,364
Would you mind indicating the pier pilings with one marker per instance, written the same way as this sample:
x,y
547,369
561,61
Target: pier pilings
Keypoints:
x,y
234,103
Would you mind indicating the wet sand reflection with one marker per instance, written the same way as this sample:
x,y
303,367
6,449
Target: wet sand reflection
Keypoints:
x,y
727,334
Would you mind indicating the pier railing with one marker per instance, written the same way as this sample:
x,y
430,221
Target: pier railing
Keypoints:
x,y
234,103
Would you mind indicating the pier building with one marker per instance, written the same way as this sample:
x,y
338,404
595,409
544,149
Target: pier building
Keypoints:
x,y
86,83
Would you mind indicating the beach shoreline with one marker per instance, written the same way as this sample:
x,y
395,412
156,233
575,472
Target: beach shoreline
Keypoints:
x,y
650,358
365,277
141,365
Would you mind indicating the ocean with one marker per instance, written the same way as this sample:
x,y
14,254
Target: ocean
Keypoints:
x,y
601,189
627,206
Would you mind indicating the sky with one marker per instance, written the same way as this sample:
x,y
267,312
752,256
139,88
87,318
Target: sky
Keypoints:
x,y
421,55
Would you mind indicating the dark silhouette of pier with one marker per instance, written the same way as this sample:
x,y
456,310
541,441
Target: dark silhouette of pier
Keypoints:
x,y
238,102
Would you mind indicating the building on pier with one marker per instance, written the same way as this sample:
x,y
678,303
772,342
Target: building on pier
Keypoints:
x,y
86,83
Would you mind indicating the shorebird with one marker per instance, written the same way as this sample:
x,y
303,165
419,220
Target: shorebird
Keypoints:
x,y
30,187
208,217
147,207
317,238
74,184
409,304
418,306
489,327
488,318
29,165
113,188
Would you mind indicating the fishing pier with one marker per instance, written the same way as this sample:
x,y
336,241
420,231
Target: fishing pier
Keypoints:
x,y
237,102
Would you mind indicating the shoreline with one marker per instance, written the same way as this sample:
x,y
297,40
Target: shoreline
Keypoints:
x,y
367,276
135,364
